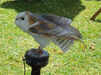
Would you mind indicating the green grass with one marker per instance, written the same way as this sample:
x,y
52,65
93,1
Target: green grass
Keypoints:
x,y
14,42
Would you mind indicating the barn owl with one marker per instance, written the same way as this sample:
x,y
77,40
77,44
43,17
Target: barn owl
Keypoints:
x,y
46,28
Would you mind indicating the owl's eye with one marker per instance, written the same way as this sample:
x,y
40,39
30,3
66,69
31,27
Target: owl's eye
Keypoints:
x,y
22,18
16,18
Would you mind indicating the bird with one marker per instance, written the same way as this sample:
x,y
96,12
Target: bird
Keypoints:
x,y
46,28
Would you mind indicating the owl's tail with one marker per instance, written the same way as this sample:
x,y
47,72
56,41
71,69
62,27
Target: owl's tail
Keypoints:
x,y
64,44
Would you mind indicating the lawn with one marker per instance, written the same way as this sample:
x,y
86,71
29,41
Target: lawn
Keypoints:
x,y
14,42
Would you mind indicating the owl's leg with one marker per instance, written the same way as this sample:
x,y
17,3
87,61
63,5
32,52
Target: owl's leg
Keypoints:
x,y
43,42
40,50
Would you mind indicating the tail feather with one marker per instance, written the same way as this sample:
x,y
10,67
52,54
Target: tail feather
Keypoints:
x,y
64,44
67,45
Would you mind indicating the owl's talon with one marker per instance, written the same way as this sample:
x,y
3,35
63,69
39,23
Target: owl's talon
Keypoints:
x,y
40,50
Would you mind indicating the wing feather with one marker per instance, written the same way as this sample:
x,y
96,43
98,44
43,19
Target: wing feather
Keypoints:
x,y
62,22
59,20
61,32
63,44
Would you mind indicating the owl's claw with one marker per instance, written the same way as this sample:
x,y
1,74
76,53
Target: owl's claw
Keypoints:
x,y
40,50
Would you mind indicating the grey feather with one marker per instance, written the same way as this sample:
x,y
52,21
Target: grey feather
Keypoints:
x,y
64,44
64,23
63,31
57,19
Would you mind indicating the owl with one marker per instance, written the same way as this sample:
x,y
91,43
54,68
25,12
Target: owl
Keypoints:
x,y
46,28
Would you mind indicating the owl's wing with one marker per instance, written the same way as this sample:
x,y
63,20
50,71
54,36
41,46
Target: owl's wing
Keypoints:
x,y
63,43
60,36
59,20
59,29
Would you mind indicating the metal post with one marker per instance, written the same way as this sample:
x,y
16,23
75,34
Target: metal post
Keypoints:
x,y
36,60
35,70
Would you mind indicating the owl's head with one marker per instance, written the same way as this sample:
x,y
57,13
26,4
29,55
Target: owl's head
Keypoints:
x,y
25,19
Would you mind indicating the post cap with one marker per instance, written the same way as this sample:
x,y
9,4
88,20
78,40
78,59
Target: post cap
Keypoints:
x,y
34,59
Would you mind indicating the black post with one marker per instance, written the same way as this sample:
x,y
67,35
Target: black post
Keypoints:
x,y
36,60
35,70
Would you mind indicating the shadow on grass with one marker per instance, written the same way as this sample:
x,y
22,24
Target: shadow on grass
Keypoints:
x,y
68,8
